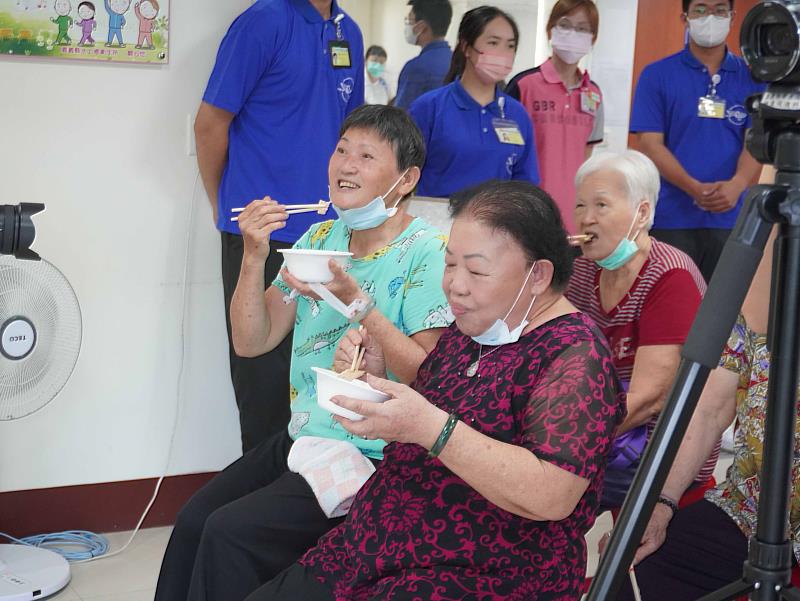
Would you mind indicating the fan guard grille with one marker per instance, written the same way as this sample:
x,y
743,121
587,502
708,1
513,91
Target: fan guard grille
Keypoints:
x,y
38,292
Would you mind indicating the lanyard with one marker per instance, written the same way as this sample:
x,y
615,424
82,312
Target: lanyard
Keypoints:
x,y
337,21
712,86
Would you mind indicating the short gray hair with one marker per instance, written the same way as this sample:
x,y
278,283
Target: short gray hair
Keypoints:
x,y
639,172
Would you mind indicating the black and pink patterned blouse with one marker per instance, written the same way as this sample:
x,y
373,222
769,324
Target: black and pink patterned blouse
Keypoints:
x,y
418,531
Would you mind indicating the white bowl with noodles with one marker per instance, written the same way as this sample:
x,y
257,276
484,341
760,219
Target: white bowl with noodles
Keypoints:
x,y
330,384
311,266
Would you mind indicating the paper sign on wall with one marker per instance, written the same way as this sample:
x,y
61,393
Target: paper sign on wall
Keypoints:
x,y
129,31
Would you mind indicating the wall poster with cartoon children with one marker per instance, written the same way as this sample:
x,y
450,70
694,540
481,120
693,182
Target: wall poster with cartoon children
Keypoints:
x,y
129,31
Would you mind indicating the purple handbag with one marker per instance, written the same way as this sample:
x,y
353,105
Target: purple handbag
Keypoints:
x,y
623,461
627,448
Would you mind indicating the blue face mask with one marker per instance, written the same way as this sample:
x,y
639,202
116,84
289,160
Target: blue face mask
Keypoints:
x,y
624,251
498,333
372,214
375,68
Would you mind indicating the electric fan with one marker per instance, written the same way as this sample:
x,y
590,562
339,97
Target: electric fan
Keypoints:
x,y
40,337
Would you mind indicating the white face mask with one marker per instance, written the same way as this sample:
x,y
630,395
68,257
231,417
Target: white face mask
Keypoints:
x,y
570,46
410,36
709,31
498,333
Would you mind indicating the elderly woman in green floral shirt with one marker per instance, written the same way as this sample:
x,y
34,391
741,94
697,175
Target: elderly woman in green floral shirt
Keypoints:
x,y
701,548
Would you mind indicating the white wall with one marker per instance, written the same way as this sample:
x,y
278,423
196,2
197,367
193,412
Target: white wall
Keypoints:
x,y
104,146
611,66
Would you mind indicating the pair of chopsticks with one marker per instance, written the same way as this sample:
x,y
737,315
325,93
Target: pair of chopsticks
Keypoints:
x,y
358,355
637,593
320,207
578,239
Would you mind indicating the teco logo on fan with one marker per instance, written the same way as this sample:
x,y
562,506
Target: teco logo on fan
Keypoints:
x,y
17,338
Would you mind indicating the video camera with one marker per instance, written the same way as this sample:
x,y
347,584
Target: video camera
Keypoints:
x,y
17,231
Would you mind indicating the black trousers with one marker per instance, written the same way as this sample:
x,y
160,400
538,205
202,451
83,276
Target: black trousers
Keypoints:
x,y
703,552
703,245
261,384
293,584
242,529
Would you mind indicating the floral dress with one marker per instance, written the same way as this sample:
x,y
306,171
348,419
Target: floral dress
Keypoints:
x,y
746,354
418,531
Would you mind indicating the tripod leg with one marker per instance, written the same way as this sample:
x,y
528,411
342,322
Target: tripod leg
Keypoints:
x,y
770,555
701,352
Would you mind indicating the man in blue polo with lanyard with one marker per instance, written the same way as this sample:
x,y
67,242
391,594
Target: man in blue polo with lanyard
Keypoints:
x,y
287,74
690,117
426,26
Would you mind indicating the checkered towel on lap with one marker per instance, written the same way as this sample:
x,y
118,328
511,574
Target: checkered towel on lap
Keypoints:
x,y
334,469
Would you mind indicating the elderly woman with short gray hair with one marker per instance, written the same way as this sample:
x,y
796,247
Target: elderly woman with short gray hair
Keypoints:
x,y
641,292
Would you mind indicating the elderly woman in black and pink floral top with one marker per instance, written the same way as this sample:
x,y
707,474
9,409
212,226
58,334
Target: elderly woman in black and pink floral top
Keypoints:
x,y
497,451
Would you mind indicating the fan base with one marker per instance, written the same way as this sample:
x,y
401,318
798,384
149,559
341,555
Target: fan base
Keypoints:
x,y
30,573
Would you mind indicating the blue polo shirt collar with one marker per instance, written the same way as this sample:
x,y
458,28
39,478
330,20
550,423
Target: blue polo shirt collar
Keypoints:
x,y
728,63
311,14
434,46
467,103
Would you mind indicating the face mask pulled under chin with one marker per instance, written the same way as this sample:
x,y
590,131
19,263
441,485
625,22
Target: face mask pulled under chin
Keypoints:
x,y
624,251
371,215
709,31
498,333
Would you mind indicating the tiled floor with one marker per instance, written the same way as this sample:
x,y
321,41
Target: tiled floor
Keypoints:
x,y
131,576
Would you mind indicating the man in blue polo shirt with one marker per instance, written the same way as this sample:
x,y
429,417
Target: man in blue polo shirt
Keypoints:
x,y
689,114
426,26
287,74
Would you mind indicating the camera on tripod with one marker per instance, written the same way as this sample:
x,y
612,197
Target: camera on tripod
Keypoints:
x,y
17,231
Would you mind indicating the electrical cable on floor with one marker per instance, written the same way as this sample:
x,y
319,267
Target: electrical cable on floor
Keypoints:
x,y
67,543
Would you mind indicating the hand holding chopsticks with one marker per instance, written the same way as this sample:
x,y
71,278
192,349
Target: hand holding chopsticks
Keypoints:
x,y
358,356
320,207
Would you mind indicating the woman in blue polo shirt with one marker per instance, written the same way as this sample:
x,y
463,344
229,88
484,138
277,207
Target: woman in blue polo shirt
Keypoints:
x,y
473,131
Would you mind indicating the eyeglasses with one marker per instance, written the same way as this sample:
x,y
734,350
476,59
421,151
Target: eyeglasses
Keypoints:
x,y
566,25
701,10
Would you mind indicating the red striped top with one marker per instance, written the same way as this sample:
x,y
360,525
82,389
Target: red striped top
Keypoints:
x,y
658,309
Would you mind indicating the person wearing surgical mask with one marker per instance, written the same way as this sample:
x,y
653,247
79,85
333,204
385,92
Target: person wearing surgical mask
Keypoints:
x,y
641,292
473,130
498,449
689,116
425,26
565,105
262,512
376,88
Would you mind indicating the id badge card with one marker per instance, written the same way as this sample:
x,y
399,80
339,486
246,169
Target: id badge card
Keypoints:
x,y
711,107
340,54
589,102
508,132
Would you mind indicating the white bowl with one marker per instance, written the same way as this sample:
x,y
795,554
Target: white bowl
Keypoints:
x,y
329,385
311,266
